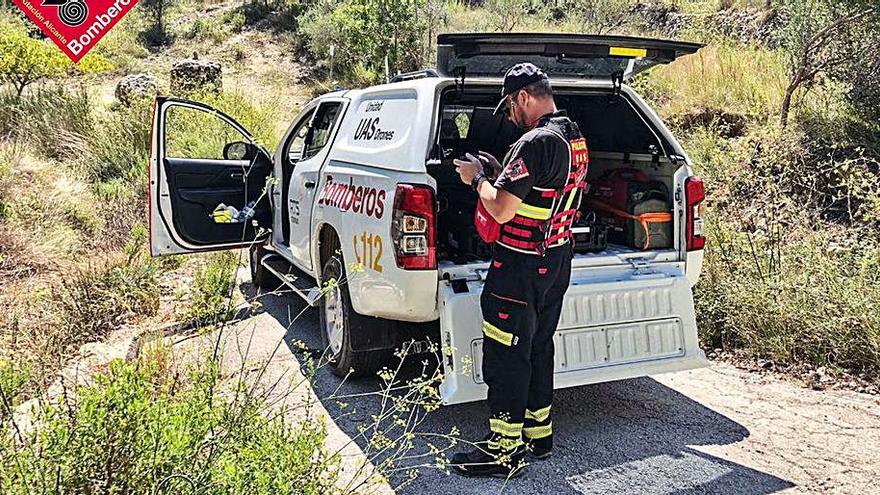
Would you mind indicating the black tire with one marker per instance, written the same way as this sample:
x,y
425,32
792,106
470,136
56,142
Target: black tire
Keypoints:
x,y
344,361
260,276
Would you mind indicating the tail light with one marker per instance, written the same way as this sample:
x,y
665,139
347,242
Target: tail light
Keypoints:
x,y
694,195
413,227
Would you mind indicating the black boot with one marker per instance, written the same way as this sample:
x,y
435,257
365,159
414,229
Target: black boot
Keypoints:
x,y
541,448
493,462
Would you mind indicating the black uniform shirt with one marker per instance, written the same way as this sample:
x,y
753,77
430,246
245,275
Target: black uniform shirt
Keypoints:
x,y
540,158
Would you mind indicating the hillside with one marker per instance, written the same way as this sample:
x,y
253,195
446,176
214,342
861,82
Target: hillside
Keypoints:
x,y
785,133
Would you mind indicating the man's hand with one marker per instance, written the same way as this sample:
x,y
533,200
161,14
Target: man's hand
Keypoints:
x,y
486,157
468,168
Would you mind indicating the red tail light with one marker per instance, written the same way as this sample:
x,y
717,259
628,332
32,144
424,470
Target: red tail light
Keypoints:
x,y
413,227
694,195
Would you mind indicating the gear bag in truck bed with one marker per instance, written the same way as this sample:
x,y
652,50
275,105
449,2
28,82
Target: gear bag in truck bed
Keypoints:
x,y
636,209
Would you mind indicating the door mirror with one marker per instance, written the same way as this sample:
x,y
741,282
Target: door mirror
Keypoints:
x,y
239,150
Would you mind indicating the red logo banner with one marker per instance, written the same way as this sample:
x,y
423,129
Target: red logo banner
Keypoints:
x,y
75,25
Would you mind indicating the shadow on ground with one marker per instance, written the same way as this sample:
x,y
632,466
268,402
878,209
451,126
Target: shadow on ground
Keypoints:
x,y
633,436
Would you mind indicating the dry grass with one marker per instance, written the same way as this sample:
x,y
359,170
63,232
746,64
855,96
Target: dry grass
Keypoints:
x,y
745,80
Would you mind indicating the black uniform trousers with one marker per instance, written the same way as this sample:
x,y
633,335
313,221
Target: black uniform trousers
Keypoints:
x,y
521,304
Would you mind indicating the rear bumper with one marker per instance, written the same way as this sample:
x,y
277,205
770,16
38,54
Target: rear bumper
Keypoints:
x,y
459,389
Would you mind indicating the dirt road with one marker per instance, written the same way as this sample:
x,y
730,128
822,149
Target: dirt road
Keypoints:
x,y
714,430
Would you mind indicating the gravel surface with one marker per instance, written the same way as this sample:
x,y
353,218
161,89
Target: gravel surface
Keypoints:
x,y
714,430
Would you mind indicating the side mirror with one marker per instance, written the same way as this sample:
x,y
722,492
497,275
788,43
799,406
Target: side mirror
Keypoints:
x,y
240,150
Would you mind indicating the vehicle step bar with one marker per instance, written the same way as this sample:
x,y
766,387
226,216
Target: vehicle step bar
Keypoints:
x,y
294,278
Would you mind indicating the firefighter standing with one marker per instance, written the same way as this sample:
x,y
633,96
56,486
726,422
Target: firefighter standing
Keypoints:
x,y
535,198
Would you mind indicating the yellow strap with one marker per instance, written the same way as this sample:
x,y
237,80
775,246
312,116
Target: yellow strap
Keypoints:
x,y
533,212
495,333
536,432
539,415
504,428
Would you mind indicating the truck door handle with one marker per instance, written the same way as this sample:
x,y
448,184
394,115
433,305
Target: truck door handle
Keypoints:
x,y
309,184
236,175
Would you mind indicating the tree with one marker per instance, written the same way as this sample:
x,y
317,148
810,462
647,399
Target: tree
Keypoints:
x,y
25,60
821,35
158,10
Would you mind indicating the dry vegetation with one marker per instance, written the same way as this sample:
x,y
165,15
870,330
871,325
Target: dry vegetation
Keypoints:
x,y
791,270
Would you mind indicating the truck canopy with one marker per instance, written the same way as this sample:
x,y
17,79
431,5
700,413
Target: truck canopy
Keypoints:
x,y
573,56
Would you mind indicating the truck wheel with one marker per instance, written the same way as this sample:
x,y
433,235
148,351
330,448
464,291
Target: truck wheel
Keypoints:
x,y
338,320
260,276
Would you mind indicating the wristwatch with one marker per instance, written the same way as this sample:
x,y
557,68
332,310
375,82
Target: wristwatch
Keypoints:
x,y
475,182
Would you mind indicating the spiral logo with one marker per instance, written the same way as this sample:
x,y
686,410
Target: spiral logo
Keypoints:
x,y
73,13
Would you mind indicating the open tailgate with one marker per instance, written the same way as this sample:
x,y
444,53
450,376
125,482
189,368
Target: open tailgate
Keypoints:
x,y
572,56
615,324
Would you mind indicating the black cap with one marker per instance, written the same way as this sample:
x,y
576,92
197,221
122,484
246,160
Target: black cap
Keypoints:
x,y
518,77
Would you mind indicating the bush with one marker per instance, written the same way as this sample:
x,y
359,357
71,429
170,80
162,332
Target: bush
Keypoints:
x,y
790,271
364,32
278,15
216,30
586,16
157,33
11,153
14,376
138,431
720,77
210,292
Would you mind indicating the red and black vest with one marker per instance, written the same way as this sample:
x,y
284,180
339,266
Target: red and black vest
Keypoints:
x,y
545,216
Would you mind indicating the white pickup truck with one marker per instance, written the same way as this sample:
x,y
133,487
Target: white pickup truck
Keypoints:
x,y
366,177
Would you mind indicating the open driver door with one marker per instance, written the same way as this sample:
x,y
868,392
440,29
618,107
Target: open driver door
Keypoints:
x,y
208,180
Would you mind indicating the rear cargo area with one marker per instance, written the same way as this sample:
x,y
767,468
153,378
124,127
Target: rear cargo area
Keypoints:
x,y
619,139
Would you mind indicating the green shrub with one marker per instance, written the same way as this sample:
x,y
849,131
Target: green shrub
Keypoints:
x,y
122,46
747,81
278,15
233,20
364,32
157,11
208,29
11,153
791,266
136,430
210,293
14,376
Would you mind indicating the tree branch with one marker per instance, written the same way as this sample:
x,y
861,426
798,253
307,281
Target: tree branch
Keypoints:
x,y
816,40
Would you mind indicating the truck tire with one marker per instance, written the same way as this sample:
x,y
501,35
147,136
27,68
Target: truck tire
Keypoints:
x,y
338,320
260,276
